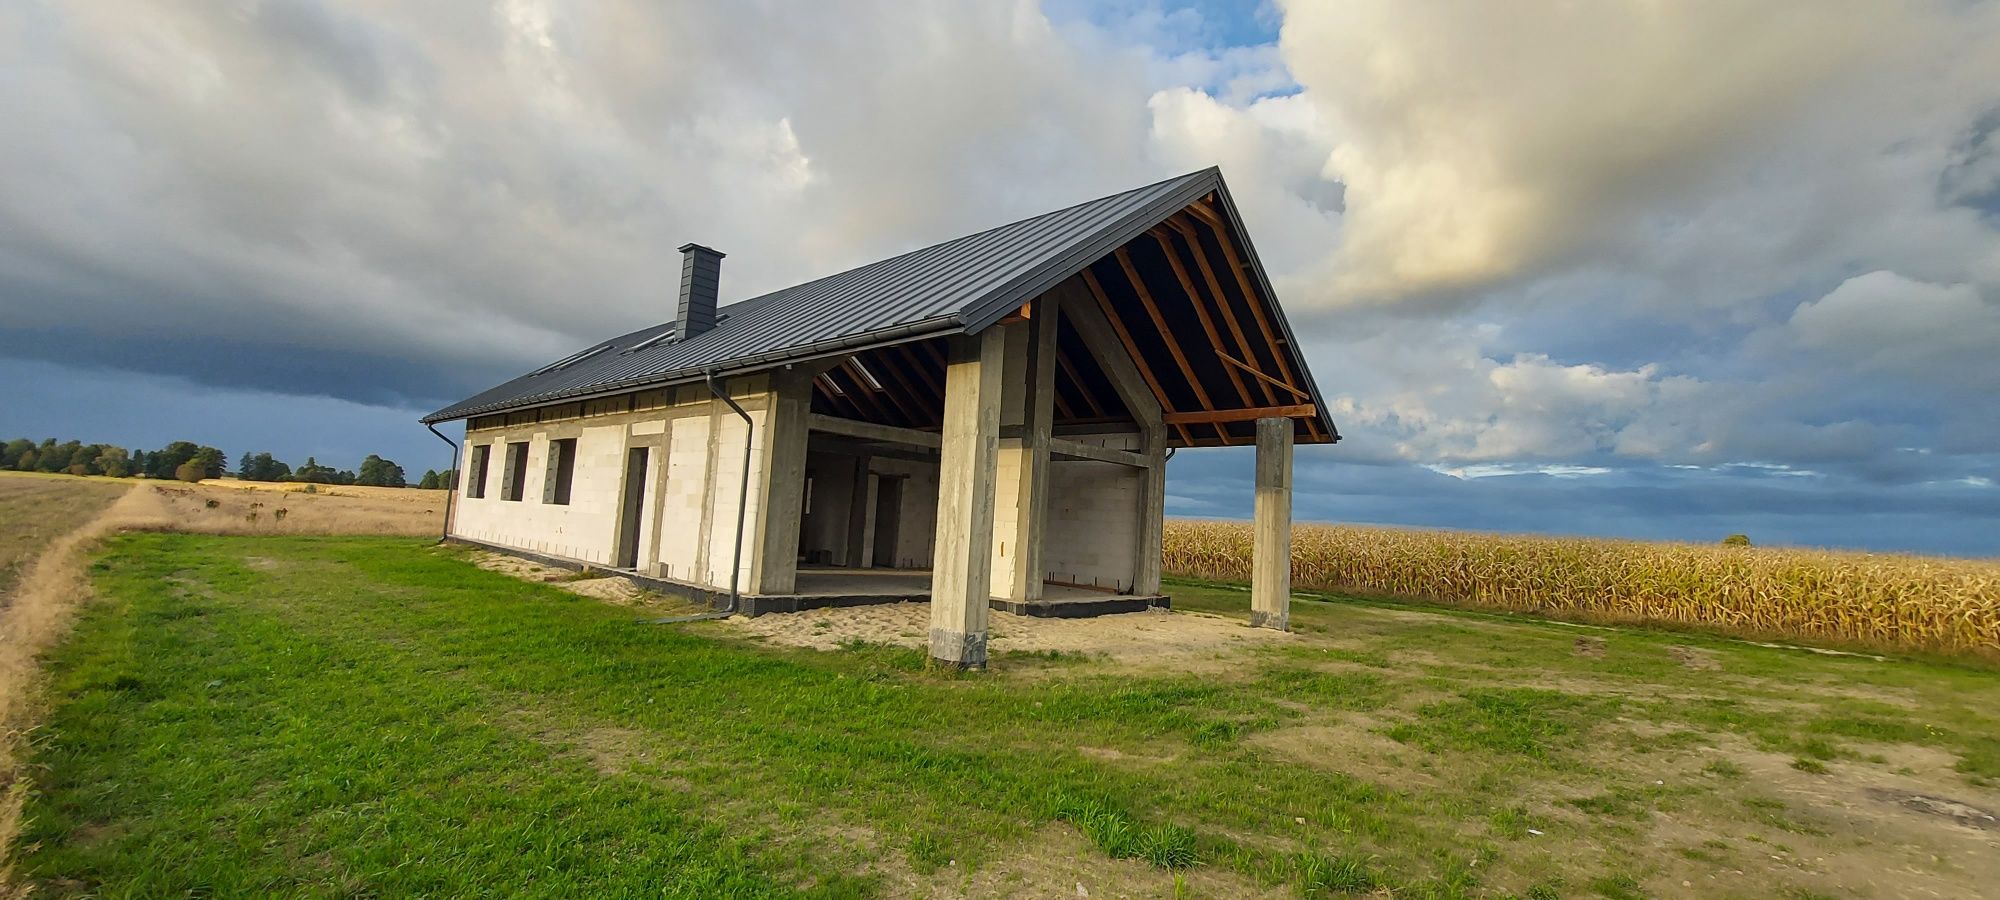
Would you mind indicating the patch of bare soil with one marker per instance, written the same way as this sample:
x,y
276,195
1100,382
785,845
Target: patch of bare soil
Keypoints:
x,y
1591,647
1058,861
1692,658
1152,636
1854,830
594,583
1355,746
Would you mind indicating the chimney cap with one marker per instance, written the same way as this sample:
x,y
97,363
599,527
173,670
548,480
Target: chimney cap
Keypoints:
x,y
705,249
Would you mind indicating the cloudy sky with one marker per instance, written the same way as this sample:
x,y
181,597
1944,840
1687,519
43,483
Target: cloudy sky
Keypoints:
x,y
1663,270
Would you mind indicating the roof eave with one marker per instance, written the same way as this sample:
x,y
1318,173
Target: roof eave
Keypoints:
x,y
898,334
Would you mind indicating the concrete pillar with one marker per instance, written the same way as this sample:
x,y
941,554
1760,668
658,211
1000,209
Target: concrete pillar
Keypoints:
x,y
780,486
1152,511
962,565
859,499
1271,564
1027,417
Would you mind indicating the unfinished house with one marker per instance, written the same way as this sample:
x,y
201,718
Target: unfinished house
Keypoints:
x,y
980,424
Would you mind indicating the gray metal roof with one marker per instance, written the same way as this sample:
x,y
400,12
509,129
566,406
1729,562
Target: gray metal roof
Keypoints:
x,y
961,285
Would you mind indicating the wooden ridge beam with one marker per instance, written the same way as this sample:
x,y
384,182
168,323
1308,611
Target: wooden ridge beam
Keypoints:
x,y
1305,411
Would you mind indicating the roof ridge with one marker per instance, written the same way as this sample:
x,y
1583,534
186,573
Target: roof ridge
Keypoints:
x,y
974,234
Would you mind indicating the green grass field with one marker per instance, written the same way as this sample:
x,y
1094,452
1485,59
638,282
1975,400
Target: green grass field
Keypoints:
x,y
284,715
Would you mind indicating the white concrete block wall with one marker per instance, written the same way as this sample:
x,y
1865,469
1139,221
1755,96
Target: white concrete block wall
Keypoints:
x,y
728,487
584,530
1006,514
687,488
691,487
1092,532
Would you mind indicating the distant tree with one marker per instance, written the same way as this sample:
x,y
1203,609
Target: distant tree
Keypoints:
x,y
114,461
262,467
380,472
313,473
164,462
211,460
191,471
138,464
430,480
26,461
54,457
1736,540
10,453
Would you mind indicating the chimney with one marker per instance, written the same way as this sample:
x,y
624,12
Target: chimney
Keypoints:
x,y
701,273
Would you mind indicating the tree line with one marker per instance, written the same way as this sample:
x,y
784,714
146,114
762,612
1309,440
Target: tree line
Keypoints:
x,y
188,461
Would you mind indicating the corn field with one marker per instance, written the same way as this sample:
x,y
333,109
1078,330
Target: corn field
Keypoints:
x,y
1879,600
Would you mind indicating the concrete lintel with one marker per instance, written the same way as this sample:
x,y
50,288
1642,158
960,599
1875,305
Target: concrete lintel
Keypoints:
x,y
1080,450
856,428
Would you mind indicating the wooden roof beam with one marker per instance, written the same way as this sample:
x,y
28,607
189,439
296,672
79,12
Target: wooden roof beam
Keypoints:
x,y
1203,211
1305,411
1200,253
1102,333
1194,296
1166,334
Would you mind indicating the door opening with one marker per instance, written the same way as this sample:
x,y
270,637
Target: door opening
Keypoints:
x,y
631,510
888,518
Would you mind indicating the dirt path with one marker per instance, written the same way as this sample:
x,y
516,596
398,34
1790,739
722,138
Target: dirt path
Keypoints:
x,y
38,612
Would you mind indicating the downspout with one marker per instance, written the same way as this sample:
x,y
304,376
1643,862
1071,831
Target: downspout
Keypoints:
x,y
451,490
742,510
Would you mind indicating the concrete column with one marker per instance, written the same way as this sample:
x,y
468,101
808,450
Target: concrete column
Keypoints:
x,y
1028,416
1152,511
858,499
780,486
962,565
1271,565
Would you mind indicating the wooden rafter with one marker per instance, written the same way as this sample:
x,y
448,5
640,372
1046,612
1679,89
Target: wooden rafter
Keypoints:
x,y
1173,255
1215,289
886,364
909,356
1166,334
853,367
1125,337
1082,388
859,393
1203,211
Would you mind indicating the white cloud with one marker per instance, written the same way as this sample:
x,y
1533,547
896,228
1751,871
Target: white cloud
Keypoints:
x,y
1483,142
1884,323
